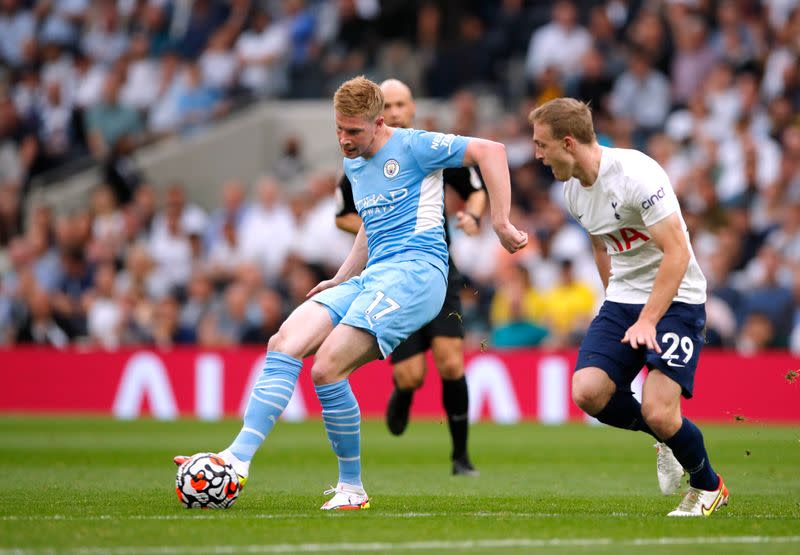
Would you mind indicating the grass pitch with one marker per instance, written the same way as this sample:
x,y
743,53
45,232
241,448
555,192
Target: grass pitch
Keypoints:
x,y
96,486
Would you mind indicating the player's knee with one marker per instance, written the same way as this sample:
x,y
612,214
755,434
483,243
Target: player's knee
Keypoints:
x,y
661,418
409,377
451,367
323,371
586,395
277,342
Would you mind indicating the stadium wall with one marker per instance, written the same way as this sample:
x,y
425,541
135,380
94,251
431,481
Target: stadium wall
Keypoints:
x,y
505,387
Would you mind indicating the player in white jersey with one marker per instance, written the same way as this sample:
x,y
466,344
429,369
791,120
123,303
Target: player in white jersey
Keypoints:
x,y
654,312
391,284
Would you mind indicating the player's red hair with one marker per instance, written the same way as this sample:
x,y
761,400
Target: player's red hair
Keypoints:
x,y
359,97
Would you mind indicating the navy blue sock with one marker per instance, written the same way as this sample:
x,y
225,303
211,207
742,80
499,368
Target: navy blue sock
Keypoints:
x,y
624,411
688,447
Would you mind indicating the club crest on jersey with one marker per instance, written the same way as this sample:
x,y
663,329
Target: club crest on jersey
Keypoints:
x,y
614,207
391,168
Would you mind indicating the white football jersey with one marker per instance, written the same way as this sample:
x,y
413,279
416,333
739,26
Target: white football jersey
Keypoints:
x,y
631,193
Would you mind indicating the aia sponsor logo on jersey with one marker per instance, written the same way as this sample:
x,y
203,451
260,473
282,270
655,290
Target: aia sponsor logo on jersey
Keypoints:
x,y
654,198
626,238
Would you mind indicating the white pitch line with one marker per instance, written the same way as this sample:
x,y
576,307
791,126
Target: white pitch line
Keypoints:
x,y
218,515
411,546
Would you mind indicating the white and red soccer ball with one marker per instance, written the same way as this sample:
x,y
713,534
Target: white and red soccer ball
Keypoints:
x,y
205,481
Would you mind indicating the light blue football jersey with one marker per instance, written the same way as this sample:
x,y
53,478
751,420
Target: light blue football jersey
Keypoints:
x,y
399,194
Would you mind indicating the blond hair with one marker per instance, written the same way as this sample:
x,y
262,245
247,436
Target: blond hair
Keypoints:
x,y
566,116
359,97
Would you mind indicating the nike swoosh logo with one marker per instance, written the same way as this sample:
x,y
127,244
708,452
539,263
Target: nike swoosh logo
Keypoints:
x,y
579,217
670,363
271,418
708,510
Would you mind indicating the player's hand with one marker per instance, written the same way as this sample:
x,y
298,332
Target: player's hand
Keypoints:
x,y
510,237
468,223
322,286
642,333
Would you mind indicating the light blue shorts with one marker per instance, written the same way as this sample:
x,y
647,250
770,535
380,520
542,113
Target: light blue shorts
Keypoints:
x,y
390,300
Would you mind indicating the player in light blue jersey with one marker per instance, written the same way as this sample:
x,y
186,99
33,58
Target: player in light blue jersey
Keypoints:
x,y
392,283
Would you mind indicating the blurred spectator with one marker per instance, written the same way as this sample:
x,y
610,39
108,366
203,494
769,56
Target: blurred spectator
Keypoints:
x,y
69,298
516,308
559,45
109,121
568,308
17,27
168,330
198,103
261,52
641,95
268,229
200,301
693,58
290,165
40,327
271,317
105,316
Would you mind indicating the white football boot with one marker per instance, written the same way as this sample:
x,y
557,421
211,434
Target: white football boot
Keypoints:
x,y
669,469
700,502
241,468
346,497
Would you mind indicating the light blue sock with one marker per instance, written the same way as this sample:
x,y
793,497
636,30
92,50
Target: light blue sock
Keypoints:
x,y
342,419
269,398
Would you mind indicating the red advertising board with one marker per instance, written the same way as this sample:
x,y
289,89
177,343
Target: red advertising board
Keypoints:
x,y
504,386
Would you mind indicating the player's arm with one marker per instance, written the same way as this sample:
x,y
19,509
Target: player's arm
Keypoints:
x,y
490,157
602,259
347,218
353,265
349,222
474,195
668,235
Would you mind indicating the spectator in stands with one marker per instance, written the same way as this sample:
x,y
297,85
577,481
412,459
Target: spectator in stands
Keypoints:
x,y
568,308
560,44
270,316
167,329
200,301
198,104
269,216
17,27
262,52
516,309
69,299
105,315
109,121
40,327
641,95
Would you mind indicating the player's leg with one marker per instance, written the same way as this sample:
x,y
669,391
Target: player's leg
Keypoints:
x,y
345,349
299,336
605,369
408,374
448,354
396,300
680,333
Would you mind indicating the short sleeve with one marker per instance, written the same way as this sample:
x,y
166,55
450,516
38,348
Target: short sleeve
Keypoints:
x,y
653,196
344,198
435,151
464,181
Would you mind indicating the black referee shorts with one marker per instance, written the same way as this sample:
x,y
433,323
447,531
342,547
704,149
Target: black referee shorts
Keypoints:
x,y
446,324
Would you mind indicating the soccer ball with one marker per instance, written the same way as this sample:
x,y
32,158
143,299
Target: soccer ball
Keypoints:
x,y
205,481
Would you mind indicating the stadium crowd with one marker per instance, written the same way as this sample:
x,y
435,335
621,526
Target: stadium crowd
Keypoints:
x,y
710,89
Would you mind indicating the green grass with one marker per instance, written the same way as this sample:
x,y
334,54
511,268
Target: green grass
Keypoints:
x,y
93,486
